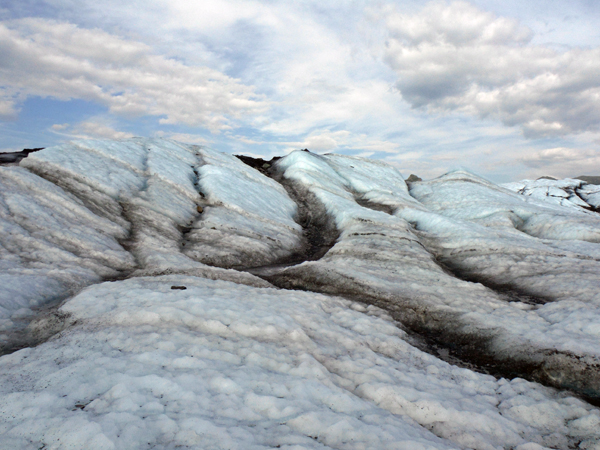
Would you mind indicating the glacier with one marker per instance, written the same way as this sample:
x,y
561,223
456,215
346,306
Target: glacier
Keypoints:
x,y
155,294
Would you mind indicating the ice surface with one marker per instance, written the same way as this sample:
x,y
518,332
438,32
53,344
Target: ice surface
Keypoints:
x,y
190,351
251,222
490,234
568,192
50,246
180,201
93,210
220,365
381,258
465,196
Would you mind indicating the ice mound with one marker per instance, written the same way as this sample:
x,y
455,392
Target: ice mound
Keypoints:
x,y
221,365
51,246
182,203
509,240
87,211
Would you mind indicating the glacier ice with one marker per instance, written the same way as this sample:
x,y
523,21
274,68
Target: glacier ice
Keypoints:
x,y
568,192
222,365
100,238
402,262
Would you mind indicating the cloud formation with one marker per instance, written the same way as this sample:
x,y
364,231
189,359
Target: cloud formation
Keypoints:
x,y
456,57
98,129
46,58
562,162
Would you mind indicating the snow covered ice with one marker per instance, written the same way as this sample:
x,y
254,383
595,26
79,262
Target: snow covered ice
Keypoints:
x,y
394,260
163,337
222,365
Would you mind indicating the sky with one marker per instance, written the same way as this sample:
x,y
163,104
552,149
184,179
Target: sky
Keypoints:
x,y
506,89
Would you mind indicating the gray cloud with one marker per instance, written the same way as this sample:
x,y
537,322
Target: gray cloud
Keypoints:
x,y
56,59
455,57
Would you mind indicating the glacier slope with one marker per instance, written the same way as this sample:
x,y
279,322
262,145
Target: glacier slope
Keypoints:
x,y
568,192
238,363
382,259
103,210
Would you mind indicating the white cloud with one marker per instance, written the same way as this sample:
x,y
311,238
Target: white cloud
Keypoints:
x,y
341,141
563,162
99,129
7,109
54,59
184,137
456,57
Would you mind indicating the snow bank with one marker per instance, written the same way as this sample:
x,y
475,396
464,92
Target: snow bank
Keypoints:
x,y
220,365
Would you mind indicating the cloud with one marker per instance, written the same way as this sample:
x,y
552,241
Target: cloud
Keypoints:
x,y
55,59
184,137
456,57
563,162
324,140
7,109
91,129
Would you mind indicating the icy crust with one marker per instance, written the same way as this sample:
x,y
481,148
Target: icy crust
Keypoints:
x,y
568,192
184,206
489,234
51,246
220,365
380,258
251,222
462,195
93,210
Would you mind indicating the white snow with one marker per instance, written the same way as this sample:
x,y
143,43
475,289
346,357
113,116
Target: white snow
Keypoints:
x,y
220,365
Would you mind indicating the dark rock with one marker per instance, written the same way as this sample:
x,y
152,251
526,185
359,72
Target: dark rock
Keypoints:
x,y
412,178
16,157
590,179
258,163
179,288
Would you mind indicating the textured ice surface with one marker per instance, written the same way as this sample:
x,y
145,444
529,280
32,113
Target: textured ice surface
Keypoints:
x,y
93,210
493,235
184,203
465,196
568,192
220,365
232,362
50,246
252,220
381,258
